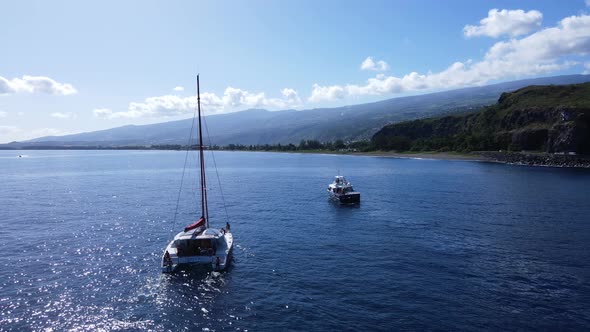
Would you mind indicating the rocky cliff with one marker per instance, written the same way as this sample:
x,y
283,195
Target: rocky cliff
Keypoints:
x,y
535,118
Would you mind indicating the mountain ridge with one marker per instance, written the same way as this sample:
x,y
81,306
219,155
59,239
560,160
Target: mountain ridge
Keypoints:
x,y
259,126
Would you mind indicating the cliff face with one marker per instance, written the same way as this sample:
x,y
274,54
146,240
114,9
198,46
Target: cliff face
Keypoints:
x,y
539,118
550,129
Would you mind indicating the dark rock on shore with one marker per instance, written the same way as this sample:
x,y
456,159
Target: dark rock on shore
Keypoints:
x,y
538,159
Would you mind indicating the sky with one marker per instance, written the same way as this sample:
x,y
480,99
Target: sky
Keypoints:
x,y
76,66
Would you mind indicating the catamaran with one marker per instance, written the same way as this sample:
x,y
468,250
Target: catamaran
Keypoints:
x,y
199,244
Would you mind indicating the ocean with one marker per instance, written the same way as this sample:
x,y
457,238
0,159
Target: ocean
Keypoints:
x,y
434,244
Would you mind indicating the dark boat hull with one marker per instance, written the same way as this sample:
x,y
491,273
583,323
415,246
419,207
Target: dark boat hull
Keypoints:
x,y
348,198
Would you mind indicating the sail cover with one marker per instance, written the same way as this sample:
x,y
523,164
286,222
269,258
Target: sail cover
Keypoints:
x,y
200,222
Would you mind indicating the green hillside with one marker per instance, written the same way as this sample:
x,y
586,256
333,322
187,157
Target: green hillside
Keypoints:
x,y
554,118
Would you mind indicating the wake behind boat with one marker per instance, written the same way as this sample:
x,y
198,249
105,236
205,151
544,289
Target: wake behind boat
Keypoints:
x,y
198,244
341,190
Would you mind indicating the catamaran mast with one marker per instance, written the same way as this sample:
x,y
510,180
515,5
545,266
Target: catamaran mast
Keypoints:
x,y
204,208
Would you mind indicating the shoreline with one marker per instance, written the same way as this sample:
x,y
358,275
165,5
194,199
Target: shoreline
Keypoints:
x,y
538,159
426,155
522,158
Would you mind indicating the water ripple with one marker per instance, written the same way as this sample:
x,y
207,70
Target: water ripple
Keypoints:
x,y
434,245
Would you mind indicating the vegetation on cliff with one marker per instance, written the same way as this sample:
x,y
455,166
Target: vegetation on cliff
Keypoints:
x,y
535,118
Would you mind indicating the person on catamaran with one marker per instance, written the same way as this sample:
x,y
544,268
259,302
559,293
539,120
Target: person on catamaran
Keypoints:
x,y
167,260
227,226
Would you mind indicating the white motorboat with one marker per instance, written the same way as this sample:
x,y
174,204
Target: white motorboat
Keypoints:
x,y
341,190
198,244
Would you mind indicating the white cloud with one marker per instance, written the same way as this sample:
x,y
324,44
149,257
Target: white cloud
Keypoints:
x,y
540,53
291,97
35,84
9,134
233,99
3,114
9,130
13,133
178,88
326,93
370,64
168,105
40,132
505,22
586,66
102,112
61,115
588,3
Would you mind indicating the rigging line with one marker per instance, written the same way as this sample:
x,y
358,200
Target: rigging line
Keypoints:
x,y
188,147
216,172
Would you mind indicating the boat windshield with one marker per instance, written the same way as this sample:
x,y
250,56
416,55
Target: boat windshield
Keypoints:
x,y
339,179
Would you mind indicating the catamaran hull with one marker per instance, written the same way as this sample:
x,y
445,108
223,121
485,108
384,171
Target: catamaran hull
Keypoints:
x,y
210,263
175,262
187,264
